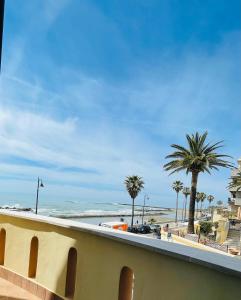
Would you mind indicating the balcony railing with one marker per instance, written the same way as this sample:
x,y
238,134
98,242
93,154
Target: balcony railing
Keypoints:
x,y
69,260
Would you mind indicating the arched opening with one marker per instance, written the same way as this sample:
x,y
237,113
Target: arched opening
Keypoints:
x,y
71,273
2,245
33,258
126,284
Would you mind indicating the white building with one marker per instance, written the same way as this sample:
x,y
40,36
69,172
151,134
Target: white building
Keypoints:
x,y
235,200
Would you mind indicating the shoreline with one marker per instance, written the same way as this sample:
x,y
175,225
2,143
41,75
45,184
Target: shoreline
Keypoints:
x,y
159,215
107,215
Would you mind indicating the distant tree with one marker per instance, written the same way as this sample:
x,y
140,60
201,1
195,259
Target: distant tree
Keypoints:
x,y
205,227
152,220
198,157
210,199
177,186
198,199
203,197
134,184
186,192
219,203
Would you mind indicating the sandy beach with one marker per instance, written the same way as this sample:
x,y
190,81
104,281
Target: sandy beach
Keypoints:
x,y
157,218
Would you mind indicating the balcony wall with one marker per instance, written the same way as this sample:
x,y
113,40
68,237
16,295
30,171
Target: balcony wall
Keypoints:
x,y
161,270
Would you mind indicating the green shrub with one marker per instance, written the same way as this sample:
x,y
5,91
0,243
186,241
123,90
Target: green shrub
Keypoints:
x,y
205,227
152,220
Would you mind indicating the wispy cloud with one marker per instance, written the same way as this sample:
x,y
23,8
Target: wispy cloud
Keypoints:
x,y
83,133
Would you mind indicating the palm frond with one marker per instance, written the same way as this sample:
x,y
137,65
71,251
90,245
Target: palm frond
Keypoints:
x,y
197,156
177,186
134,184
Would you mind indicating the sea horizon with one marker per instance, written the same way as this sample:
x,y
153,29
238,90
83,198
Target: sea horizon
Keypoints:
x,y
90,212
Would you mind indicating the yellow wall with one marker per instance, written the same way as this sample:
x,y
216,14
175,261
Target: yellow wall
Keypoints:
x,y
223,227
222,231
100,260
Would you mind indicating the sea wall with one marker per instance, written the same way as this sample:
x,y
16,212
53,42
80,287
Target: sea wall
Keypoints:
x,y
87,262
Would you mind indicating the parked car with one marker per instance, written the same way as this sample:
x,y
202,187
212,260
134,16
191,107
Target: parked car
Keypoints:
x,y
132,229
154,227
144,229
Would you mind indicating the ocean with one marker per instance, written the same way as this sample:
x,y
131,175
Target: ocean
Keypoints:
x,y
91,212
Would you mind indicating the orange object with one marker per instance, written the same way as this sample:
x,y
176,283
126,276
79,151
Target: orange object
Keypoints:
x,y
116,225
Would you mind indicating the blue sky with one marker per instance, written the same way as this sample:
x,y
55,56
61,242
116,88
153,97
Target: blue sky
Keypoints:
x,y
92,91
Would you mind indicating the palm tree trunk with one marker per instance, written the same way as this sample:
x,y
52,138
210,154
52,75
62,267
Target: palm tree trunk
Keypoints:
x,y
190,228
197,211
201,209
183,205
176,208
132,213
185,210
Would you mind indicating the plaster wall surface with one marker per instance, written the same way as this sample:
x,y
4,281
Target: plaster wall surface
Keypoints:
x,y
161,270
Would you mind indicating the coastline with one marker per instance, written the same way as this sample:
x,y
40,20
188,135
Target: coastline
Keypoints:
x,y
160,215
105,215
159,218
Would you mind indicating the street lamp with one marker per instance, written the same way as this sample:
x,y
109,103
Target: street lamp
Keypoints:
x,y
40,184
143,209
1,27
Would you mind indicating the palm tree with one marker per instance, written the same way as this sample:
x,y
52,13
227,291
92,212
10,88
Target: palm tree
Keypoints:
x,y
177,186
210,198
198,199
186,192
134,184
203,197
198,157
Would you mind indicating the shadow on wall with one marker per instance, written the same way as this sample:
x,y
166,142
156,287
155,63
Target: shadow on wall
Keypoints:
x,y
96,265
80,265
90,273
33,258
71,273
2,245
126,284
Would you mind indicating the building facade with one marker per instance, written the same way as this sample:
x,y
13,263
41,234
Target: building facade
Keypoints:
x,y
235,200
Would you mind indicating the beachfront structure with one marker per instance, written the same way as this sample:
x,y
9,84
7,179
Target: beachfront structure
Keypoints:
x,y
61,259
235,200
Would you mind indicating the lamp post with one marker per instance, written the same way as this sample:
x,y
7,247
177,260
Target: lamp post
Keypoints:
x,y
143,209
40,184
2,2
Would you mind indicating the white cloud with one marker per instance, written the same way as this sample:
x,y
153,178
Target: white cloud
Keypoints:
x,y
117,130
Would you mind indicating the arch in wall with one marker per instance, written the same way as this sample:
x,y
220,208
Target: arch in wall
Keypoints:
x,y
2,245
126,284
33,257
71,273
